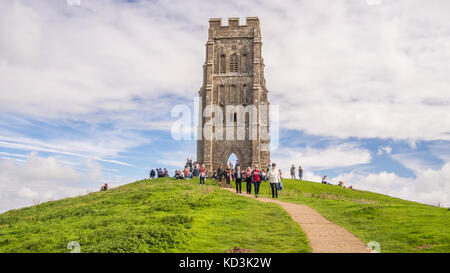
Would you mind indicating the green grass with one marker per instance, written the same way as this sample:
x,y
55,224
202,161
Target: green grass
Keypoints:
x,y
398,225
160,215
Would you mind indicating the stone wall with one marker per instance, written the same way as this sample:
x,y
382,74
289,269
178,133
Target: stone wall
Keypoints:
x,y
233,74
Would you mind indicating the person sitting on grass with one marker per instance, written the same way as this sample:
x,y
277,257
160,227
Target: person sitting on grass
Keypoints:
x,y
324,180
104,187
186,173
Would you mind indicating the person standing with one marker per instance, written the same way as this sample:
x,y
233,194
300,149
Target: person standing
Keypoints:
x,y
220,173
274,179
152,174
238,177
300,172
202,173
292,171
228,175
248,180
256,179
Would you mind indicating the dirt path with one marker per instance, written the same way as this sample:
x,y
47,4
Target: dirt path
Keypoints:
x,y
323,235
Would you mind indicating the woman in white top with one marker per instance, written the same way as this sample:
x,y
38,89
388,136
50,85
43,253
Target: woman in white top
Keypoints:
x,y
275,179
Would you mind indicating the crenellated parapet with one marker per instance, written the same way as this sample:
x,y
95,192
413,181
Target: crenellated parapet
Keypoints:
x,y
234,29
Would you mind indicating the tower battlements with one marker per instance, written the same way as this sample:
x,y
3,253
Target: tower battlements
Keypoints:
x,y
233,22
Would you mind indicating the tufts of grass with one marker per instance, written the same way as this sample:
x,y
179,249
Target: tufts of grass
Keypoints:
x,y
398,225
160,215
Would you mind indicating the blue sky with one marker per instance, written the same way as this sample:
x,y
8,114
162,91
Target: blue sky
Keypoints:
x,y
87,88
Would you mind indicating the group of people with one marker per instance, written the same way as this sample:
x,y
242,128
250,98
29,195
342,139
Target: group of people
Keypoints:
x,y
191,169
340,183
250,177
300,172
159,173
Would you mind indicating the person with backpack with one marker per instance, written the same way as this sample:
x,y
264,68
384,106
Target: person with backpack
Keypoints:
x,y
238,178
274,179
256,179
202,174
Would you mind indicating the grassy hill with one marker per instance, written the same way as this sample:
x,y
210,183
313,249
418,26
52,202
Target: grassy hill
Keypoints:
x,y
398,225
161,215
165,215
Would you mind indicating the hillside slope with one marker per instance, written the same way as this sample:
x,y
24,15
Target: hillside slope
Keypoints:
x,y
161,215
398,225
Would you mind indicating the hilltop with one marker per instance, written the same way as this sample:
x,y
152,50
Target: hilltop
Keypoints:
x,y
166,215
160,215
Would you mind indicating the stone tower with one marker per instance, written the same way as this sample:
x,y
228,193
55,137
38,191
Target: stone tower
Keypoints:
x,y
233,76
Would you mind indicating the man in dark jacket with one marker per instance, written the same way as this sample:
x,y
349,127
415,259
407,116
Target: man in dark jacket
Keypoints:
x,y
238,175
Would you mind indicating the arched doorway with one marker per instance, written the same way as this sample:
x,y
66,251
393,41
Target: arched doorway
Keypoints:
x,y
233,158
233,154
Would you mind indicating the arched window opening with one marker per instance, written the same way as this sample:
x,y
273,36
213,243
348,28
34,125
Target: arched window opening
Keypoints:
x,y
234,63
244,63
223,64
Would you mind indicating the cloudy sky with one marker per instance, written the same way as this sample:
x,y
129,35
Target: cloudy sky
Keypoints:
x,y
87,88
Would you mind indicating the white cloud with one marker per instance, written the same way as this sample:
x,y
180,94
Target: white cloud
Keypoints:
x,y
101,146
413,162
339,69
383,150
45,178
176,159
430,186
343,155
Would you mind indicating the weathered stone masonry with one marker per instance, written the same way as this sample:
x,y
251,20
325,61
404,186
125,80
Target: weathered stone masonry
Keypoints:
x,y
233,74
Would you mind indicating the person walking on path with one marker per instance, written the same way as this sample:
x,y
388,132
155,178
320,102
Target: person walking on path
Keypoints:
x,y
248,179
256,179
238,177
228,175
202,173
220,173
274,179
292,171
300,172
